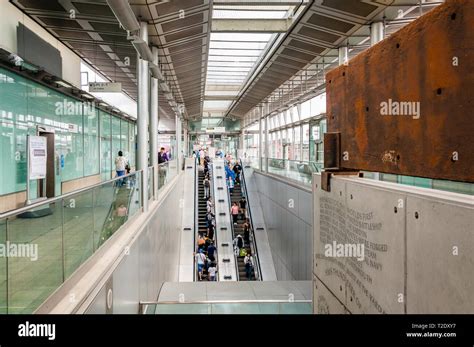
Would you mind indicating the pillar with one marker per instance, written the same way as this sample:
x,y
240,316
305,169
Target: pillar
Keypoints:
x,y
154,125
142,117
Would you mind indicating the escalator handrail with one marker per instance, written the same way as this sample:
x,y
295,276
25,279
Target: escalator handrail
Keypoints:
x,y
212,195
232,228
252,230
196,218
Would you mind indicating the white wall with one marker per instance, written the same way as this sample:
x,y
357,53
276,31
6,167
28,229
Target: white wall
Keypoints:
x,y
11,16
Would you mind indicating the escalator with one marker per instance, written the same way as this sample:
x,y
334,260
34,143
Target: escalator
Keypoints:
x,y
200,218
123,200
238,229
202,208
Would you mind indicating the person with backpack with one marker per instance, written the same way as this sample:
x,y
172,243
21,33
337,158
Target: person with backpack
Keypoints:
x,y
209,219
248,261
211,251
237,170
207,187
238,243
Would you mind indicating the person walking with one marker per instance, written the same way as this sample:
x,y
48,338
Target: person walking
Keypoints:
x,y
120,165
201,261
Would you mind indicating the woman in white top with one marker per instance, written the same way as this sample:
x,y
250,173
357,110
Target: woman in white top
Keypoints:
x,y
120,163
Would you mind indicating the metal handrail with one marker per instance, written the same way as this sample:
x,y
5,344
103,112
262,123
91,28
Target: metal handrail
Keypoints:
x,y
63,196
249,301
232,227
196,217
254,243
212,195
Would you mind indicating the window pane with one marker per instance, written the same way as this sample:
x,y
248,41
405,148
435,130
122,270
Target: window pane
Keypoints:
x,y
105,146
91,142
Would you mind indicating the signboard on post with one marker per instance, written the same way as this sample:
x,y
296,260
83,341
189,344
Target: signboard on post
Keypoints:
x,y
215,130
105,87
37,157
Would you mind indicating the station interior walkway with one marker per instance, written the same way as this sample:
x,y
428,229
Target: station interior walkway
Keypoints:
x,y
262,84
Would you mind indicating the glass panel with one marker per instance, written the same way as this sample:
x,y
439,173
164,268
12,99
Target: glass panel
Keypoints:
x,y
72,141
37,271
3,269
183,309
297,170
105,146
124,139
78,230
150,183
91,143
115,203
116,141
235,308
306,142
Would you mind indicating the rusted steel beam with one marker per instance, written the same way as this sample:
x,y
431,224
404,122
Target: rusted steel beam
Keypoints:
x,y
406,105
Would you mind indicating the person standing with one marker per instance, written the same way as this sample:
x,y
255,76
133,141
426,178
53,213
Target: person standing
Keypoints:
x,y
207,187
201,157
243,207
212,271
248,261
162,156
246,227
211,250
234,210
231,185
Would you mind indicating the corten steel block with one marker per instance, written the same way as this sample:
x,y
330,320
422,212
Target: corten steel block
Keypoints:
x,y
413,65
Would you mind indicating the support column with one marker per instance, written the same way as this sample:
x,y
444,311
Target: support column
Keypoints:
x,y
377,32
178,143
301,142
186,141
266,142
343,55
241,144
260,140
142,118
154,125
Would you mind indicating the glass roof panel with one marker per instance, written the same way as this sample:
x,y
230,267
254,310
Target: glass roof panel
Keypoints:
x,y
248,14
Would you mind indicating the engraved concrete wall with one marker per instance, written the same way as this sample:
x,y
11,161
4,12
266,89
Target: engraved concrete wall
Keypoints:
x,y
417,248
